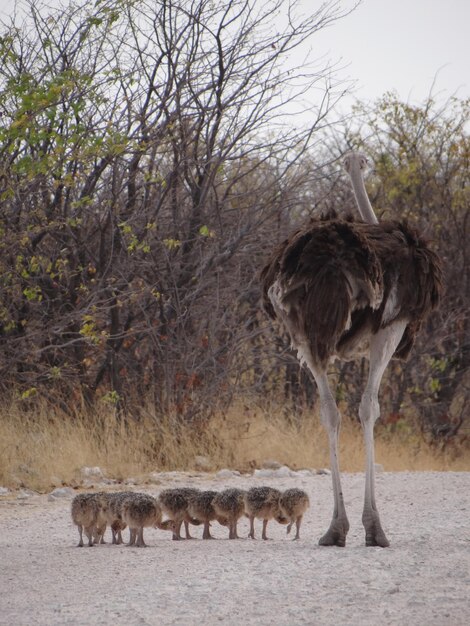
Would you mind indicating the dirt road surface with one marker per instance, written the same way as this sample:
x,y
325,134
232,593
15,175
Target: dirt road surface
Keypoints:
x,y
422,579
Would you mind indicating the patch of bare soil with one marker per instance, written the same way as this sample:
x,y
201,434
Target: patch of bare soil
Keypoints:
x,y
422,579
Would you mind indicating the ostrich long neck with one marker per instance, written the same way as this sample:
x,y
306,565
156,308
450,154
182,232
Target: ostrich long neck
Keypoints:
x,y
362,199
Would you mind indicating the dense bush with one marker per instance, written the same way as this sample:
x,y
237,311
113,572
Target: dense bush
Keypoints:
x,y
142,151
148,167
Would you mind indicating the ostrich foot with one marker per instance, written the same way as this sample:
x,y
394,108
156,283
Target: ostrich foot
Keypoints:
x,y
336,534
375,535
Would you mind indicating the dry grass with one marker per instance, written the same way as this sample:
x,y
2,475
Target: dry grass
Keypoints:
x,y
42,449
261,435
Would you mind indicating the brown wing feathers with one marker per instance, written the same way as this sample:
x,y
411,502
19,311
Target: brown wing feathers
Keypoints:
x,y
315,269
337,275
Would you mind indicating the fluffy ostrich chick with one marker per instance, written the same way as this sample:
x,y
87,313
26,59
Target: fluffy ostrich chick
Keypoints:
x,y
139,511
202,509
262,503
174,503
293,503
230,505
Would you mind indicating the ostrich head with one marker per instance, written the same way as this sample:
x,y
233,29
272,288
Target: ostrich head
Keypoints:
x,y
355,160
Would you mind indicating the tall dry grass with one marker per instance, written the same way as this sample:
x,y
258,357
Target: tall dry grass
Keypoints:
x,y
40,449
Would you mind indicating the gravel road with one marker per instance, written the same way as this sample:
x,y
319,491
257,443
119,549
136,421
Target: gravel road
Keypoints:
x,y
422,579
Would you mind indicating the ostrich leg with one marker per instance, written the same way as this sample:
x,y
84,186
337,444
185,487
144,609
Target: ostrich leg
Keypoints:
x,y
331,420
186,528
177,531
382,347
140,538
298,521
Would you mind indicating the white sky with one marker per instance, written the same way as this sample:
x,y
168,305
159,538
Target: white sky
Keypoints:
x,y
394,45
401,45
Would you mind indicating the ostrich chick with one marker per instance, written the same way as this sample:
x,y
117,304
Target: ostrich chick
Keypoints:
x,y
230,505
117,523
263,503
201,508
174,503
139,511
87,516
112,514
293,503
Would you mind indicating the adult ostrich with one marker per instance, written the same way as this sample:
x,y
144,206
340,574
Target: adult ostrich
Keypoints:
x,y
344,288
